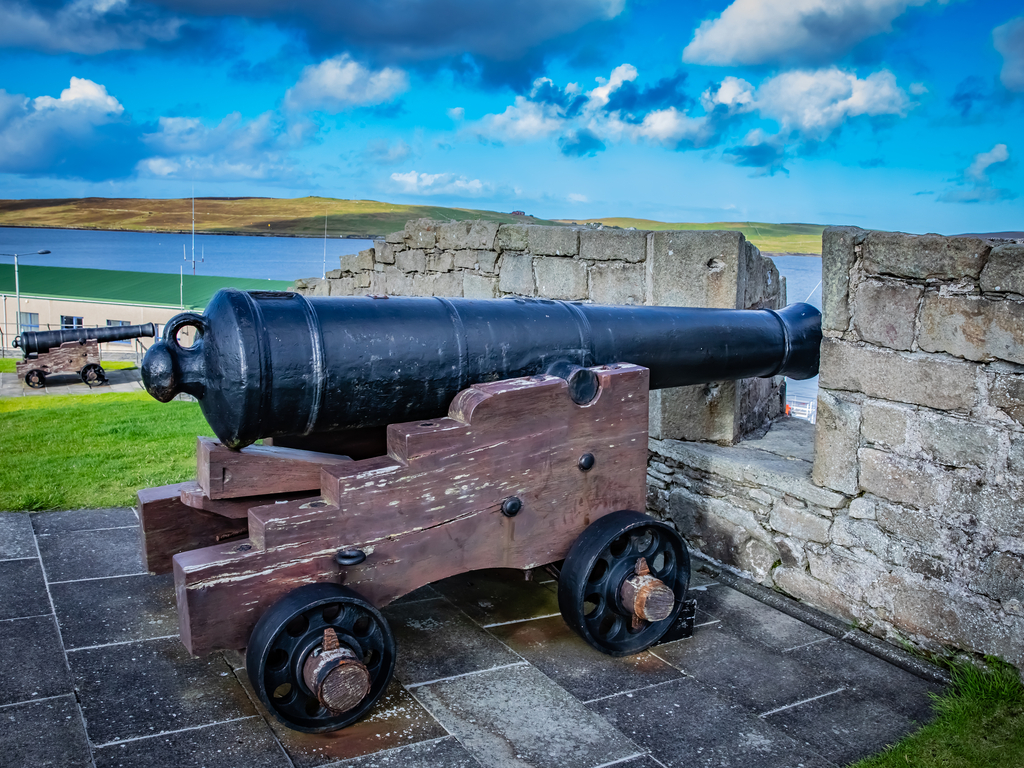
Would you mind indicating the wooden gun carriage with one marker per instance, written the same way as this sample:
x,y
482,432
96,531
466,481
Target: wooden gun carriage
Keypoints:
x,y
70,350
408,440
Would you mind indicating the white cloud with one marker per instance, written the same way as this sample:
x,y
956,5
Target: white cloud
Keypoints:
x,y
340,83
976,186
457,113
1009,41
670,127
575,197
791,31
624,73
83,26
84,96
816,102
47,134
733,93
525,120
978,170
382,152
235,148
414,183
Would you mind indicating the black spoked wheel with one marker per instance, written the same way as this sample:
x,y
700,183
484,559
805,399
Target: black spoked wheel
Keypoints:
x,y
320,657
93,375
35,379
623,582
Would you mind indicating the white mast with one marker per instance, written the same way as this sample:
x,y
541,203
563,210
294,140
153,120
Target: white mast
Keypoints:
x,y
193,229
325,242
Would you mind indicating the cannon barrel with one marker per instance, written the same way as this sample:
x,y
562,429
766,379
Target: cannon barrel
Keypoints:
x,y
268,364
41,341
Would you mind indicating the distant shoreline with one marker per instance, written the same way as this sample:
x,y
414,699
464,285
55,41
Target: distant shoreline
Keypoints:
x,y
232,233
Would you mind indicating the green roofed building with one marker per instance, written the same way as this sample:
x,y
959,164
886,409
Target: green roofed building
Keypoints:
x,y
56,297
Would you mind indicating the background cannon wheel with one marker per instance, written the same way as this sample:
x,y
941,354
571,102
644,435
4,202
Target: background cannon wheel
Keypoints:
x,y
285,657
35,379
604,572
93,374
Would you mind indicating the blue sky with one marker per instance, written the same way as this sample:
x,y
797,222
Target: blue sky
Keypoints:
x,y
889,114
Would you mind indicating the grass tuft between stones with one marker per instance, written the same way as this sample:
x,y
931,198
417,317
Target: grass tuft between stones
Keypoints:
x,y
979,724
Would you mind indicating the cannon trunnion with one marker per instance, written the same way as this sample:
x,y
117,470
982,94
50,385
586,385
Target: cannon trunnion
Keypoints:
x,y
516,437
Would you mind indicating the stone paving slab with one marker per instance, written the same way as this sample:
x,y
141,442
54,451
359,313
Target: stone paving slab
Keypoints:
x,y
486,676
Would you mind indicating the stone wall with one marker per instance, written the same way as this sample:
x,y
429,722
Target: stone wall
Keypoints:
x,y
908,519
485,260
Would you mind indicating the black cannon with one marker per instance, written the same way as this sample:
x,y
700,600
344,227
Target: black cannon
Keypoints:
x,y
277,363
70,350
516,437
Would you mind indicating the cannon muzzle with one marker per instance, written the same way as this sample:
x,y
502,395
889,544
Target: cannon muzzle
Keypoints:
x,y
268,364
41,341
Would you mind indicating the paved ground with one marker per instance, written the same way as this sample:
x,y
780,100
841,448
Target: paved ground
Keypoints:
x,y
71,384
488,675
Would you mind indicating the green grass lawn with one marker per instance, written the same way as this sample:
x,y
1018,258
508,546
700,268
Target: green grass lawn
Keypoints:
x,y
7,364
70,451
979,724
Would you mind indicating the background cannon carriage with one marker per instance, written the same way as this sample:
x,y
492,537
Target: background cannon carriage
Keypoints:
x,y
415,439
70,350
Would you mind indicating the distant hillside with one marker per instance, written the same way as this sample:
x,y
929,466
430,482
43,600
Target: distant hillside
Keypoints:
x,y
772,238
301,217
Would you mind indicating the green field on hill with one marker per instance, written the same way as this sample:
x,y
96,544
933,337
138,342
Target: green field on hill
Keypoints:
x,y
303,217
772,238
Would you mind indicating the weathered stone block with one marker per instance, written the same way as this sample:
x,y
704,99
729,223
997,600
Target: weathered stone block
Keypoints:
x,y
698,269
476,286
973,327
956,441
852,575
836,441
358,262
862,508
414,260
464,259
476,235
1004,271
553,241
561,278
617,284
996,506
698,412
1015,460
440,261
906,377
860,534
516,274
613,245
384,252
443,284
885,313
512,237
837,257
394,237
802,525
921,256
1007,393
909,524
333,274
421,233
763,287
905,481
885,423
316,286
1001,576
795,581
487,261
350,286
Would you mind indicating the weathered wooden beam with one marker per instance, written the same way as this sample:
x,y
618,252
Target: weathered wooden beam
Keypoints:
x,y
436,506
192,496
168,526
258,470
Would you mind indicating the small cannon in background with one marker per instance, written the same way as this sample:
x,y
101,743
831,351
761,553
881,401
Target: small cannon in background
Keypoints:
x,y
407,440
70,350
